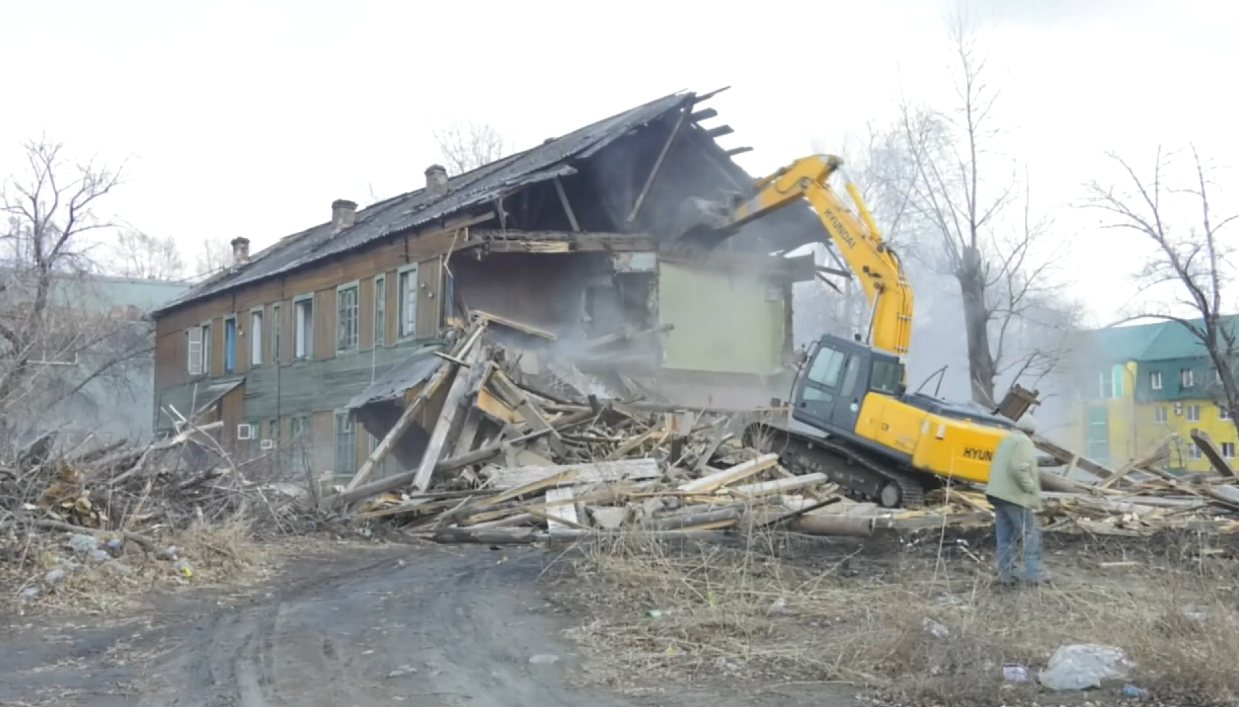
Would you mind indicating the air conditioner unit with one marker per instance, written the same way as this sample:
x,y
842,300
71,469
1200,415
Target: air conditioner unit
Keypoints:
x,y
245,431
267,445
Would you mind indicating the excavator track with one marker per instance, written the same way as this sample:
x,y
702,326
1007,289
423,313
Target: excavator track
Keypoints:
x,y
860,474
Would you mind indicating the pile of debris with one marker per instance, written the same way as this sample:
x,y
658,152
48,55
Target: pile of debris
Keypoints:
x,y
521,449
1139,499
121,509
536,453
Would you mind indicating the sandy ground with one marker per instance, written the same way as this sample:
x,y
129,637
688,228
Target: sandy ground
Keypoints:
x,y
350,625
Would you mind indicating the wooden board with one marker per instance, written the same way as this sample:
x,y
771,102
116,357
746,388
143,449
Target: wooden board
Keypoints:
x,y
561,507
592,472
731,475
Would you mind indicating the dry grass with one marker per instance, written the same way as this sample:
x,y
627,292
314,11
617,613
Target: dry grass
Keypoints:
x,y
219,554
773,611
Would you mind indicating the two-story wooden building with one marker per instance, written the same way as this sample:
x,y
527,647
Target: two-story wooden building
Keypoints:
x,y
563,237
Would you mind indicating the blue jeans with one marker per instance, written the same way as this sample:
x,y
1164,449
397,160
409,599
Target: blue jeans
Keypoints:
x,y
1017,529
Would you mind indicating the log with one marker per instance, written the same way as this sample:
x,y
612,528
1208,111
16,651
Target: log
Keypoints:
x,y
731,475
814,524
727,515
485,536
817,524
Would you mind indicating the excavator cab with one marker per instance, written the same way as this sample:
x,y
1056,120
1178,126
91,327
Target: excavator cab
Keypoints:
x,y
838,373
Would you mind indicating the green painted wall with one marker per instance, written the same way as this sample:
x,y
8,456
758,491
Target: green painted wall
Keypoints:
x,y
724,322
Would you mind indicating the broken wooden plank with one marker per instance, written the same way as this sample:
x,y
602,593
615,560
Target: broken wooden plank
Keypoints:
x,y
561,509
438,437
731,475
515,325
563,200
763,488
1066,457
1150,455
1212,453
588,472
680,122
532,416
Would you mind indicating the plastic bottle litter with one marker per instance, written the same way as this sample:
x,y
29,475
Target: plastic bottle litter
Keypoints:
x,y
1135,692
656,613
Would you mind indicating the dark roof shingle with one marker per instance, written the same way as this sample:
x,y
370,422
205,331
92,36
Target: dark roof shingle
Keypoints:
x,y
417,208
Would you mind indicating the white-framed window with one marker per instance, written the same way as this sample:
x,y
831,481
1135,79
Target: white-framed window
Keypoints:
x,y
1161,415
1110,383
407,289
380,310
230,344
346,444
256,338
1193,413
303,327
1193,452
1228,450
347,318
1187,378
277,331
1155,380
198,350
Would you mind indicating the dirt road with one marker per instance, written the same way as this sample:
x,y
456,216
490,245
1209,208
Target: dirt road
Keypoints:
x,y
426,626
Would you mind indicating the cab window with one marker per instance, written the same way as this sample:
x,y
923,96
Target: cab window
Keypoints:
x,y
826,367
886,376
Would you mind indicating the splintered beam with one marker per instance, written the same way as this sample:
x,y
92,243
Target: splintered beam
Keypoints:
x,y
658,165
720,131
703,115
738,151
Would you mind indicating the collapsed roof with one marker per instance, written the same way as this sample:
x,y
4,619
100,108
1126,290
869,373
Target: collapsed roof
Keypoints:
x,y
554,158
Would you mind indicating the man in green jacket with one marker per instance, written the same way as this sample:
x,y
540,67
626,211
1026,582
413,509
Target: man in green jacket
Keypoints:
x,y
1014,490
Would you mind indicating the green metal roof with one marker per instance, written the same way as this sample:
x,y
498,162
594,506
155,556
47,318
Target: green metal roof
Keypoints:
x,y
103,293
1155,341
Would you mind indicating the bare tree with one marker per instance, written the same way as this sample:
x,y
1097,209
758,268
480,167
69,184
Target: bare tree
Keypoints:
x,y
55,338
1195,262
466,145
213,256
962,198
139,255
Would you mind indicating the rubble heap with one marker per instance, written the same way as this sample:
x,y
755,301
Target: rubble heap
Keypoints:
x,y
534,454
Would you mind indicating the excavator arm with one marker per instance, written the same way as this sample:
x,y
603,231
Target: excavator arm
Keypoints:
x,y
857,239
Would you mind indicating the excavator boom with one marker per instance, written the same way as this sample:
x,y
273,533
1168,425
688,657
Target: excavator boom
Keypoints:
x,y
852,417
856,237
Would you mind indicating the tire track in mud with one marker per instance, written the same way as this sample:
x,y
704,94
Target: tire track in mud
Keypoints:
x,y
458,624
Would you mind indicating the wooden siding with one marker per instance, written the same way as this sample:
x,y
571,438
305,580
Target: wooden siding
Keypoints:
x,y
308,386
429,286
363,264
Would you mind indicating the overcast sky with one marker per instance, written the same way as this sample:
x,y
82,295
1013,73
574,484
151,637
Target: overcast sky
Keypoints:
x,y
250,118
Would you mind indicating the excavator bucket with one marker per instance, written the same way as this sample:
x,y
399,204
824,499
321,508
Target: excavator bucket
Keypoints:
x,y
699,226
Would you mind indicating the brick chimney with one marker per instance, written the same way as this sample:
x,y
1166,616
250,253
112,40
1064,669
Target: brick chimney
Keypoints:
x,y
436,180
343,213
240,250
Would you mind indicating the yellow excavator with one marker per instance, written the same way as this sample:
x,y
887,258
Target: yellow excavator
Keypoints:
x,y
852,416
